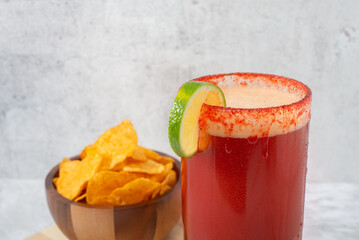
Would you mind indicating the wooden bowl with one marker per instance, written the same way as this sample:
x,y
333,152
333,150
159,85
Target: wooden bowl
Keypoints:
x,y
151,220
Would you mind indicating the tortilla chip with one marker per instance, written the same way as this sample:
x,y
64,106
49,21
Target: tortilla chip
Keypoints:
x,y
103,183
115,171
156,193
54,180
136,191
164,189
170,179
139,154
80,197
161,176
74,175
115,145
155,156
148,166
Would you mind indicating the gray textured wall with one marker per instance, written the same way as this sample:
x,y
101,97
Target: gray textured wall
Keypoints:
x,y
71,69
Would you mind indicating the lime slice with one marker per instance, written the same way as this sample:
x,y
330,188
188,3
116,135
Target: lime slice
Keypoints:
x,y
184,116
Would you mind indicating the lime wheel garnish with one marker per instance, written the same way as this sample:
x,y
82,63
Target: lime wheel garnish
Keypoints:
x,y
185,113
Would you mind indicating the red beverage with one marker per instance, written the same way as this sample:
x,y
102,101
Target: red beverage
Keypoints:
x,y
250,181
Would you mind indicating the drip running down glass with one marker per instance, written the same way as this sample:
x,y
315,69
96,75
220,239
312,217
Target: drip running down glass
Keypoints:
x,y
249,183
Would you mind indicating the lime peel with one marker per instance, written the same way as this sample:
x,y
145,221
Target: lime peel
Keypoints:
x,y
185,113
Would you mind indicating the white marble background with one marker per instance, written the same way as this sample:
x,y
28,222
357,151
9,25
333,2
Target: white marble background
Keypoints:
x,y
71,69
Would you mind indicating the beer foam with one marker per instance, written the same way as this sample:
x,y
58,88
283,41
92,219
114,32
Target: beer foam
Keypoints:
x,y
252,97
258,105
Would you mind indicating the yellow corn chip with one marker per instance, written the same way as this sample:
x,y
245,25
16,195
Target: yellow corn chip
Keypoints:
x,y
170,179
156,193
148,166
164,189
160,177
116,171
74,175
118,167
80,197
155,156
103,183
54,180
165,160
115,145
139,154
133,192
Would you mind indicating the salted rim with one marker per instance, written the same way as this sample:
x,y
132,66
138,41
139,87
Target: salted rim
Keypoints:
x,y
256,122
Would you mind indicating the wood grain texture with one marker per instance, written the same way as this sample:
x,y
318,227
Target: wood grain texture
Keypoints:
x,y
165,211
49,233
54,233
102,220
138,223
59,206
151,220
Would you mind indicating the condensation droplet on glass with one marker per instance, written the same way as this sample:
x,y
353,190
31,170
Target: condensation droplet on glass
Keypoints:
x,y
227,148
252,139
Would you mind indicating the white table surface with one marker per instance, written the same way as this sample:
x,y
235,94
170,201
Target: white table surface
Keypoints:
x,y
331,210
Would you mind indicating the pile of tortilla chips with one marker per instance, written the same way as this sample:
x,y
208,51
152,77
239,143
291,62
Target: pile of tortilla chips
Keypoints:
x,y
116,171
